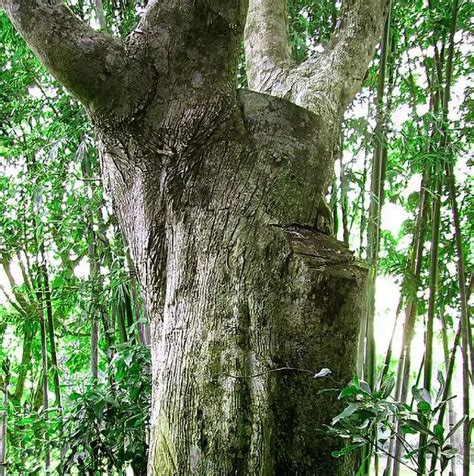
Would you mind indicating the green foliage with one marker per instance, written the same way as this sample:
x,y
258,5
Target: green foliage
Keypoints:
x,y
106,427
30,430
310,24
371,418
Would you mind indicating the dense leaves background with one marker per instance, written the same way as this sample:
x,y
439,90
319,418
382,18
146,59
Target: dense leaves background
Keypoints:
x,y
68,290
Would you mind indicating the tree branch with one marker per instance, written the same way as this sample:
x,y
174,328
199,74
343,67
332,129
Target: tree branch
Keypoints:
x,y
12,303
20,298
352,46
232,12
89,63
326,82
267,46
203,34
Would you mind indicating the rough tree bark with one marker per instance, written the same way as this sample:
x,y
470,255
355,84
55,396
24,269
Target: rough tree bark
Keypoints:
x,y
218,192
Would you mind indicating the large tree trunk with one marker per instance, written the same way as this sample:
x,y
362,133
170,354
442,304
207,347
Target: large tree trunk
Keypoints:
x,y
219,195
238,282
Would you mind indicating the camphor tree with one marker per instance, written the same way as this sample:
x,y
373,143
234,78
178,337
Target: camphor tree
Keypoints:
x,y
219,194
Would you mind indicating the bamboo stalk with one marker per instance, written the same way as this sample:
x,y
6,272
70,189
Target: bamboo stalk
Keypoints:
x,y
452,360
465,344
464,320
44,360
94,275
363,219
28,336
404,363
389,351
376,201
434,254
417,245
451,410
50,324
411,312
4,383
373,229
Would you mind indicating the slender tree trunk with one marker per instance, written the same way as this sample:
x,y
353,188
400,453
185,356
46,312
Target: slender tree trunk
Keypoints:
x,y
334,206
363,219
4,383
344,180
464,323
452,419
376,201
95,349
94,263
50,324
404,364
99,9
94,308
363,226
30,332
389,351
434,254
375,210
447,386
411,311
44,360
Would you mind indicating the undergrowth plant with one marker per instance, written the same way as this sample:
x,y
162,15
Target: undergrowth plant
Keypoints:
x,y
371,418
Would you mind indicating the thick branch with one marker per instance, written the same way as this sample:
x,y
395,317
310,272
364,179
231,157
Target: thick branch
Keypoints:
x,y
354,42
326,82
90,64
267,46
230,11
203,35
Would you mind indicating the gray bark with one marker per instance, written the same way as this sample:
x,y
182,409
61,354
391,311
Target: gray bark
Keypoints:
x,y
219,193
238,282
326,82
